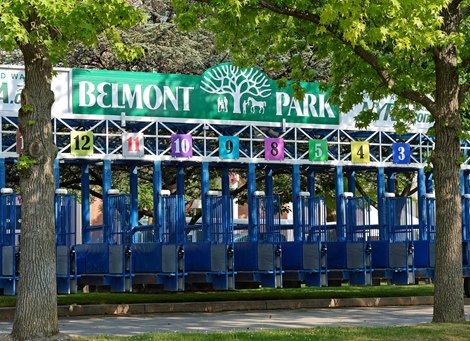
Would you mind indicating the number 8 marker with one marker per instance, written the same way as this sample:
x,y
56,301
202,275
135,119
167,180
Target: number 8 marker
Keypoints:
x,y
274,149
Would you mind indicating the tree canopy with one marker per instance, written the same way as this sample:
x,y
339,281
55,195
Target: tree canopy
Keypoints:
x,y
416,51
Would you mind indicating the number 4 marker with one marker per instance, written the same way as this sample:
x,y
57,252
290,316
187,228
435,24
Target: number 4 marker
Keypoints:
x,y
360,151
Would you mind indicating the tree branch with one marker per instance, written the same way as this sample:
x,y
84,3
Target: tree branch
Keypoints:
x,y
366,56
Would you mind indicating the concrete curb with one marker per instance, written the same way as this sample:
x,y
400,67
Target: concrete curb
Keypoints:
x,y
221,306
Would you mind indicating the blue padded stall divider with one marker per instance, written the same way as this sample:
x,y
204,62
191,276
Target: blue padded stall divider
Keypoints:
x,y
292,255
92,258
380,254
198,257
147,257
421,253
337,255
246,256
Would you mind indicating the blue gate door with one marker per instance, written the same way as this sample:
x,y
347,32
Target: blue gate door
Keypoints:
x,y
65,211
358,235
400,234
270,234
9,243
314,253
172,235
118,229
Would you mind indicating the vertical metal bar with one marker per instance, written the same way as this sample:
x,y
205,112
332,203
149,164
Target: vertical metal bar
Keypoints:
x,y
352,182
2,173
422,212
296,202
380,200
107,178
157,202
340,207
205,202
226,207
85,184
253,205
56,173
134,198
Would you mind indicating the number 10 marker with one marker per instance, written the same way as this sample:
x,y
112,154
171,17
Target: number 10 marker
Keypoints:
x,y
181,145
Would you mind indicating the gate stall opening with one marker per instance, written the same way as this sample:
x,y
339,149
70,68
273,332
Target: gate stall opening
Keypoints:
x,y
65,210
210,260
158,249
393,249
103,259
349,254
258,258
305,260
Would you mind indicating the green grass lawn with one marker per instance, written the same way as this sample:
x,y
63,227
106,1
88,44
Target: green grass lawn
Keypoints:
x,y
434,332
239,295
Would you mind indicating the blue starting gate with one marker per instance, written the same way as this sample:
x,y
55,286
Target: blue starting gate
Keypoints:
x,y
158,249
350,254
9,242
258,257
393,250
210,260
304,260
65,211
425,246
104,257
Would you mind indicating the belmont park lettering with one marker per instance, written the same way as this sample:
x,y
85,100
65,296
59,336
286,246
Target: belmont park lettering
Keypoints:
x,y
225,92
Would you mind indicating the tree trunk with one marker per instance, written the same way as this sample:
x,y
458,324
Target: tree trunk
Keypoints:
x,y
36,307
448,289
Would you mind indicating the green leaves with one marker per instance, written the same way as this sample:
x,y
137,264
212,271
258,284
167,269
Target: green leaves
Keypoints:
x,y
395,39
58,24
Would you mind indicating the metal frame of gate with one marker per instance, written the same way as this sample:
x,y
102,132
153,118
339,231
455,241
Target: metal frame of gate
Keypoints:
x,y
400,239
350,254
158,249
104,259
9,242
210,261
259,259
65,211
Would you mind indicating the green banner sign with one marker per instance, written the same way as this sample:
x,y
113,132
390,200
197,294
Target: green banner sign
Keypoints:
x,y
224,92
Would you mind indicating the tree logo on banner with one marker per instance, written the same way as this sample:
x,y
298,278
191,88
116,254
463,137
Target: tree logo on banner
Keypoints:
x,y
249,85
